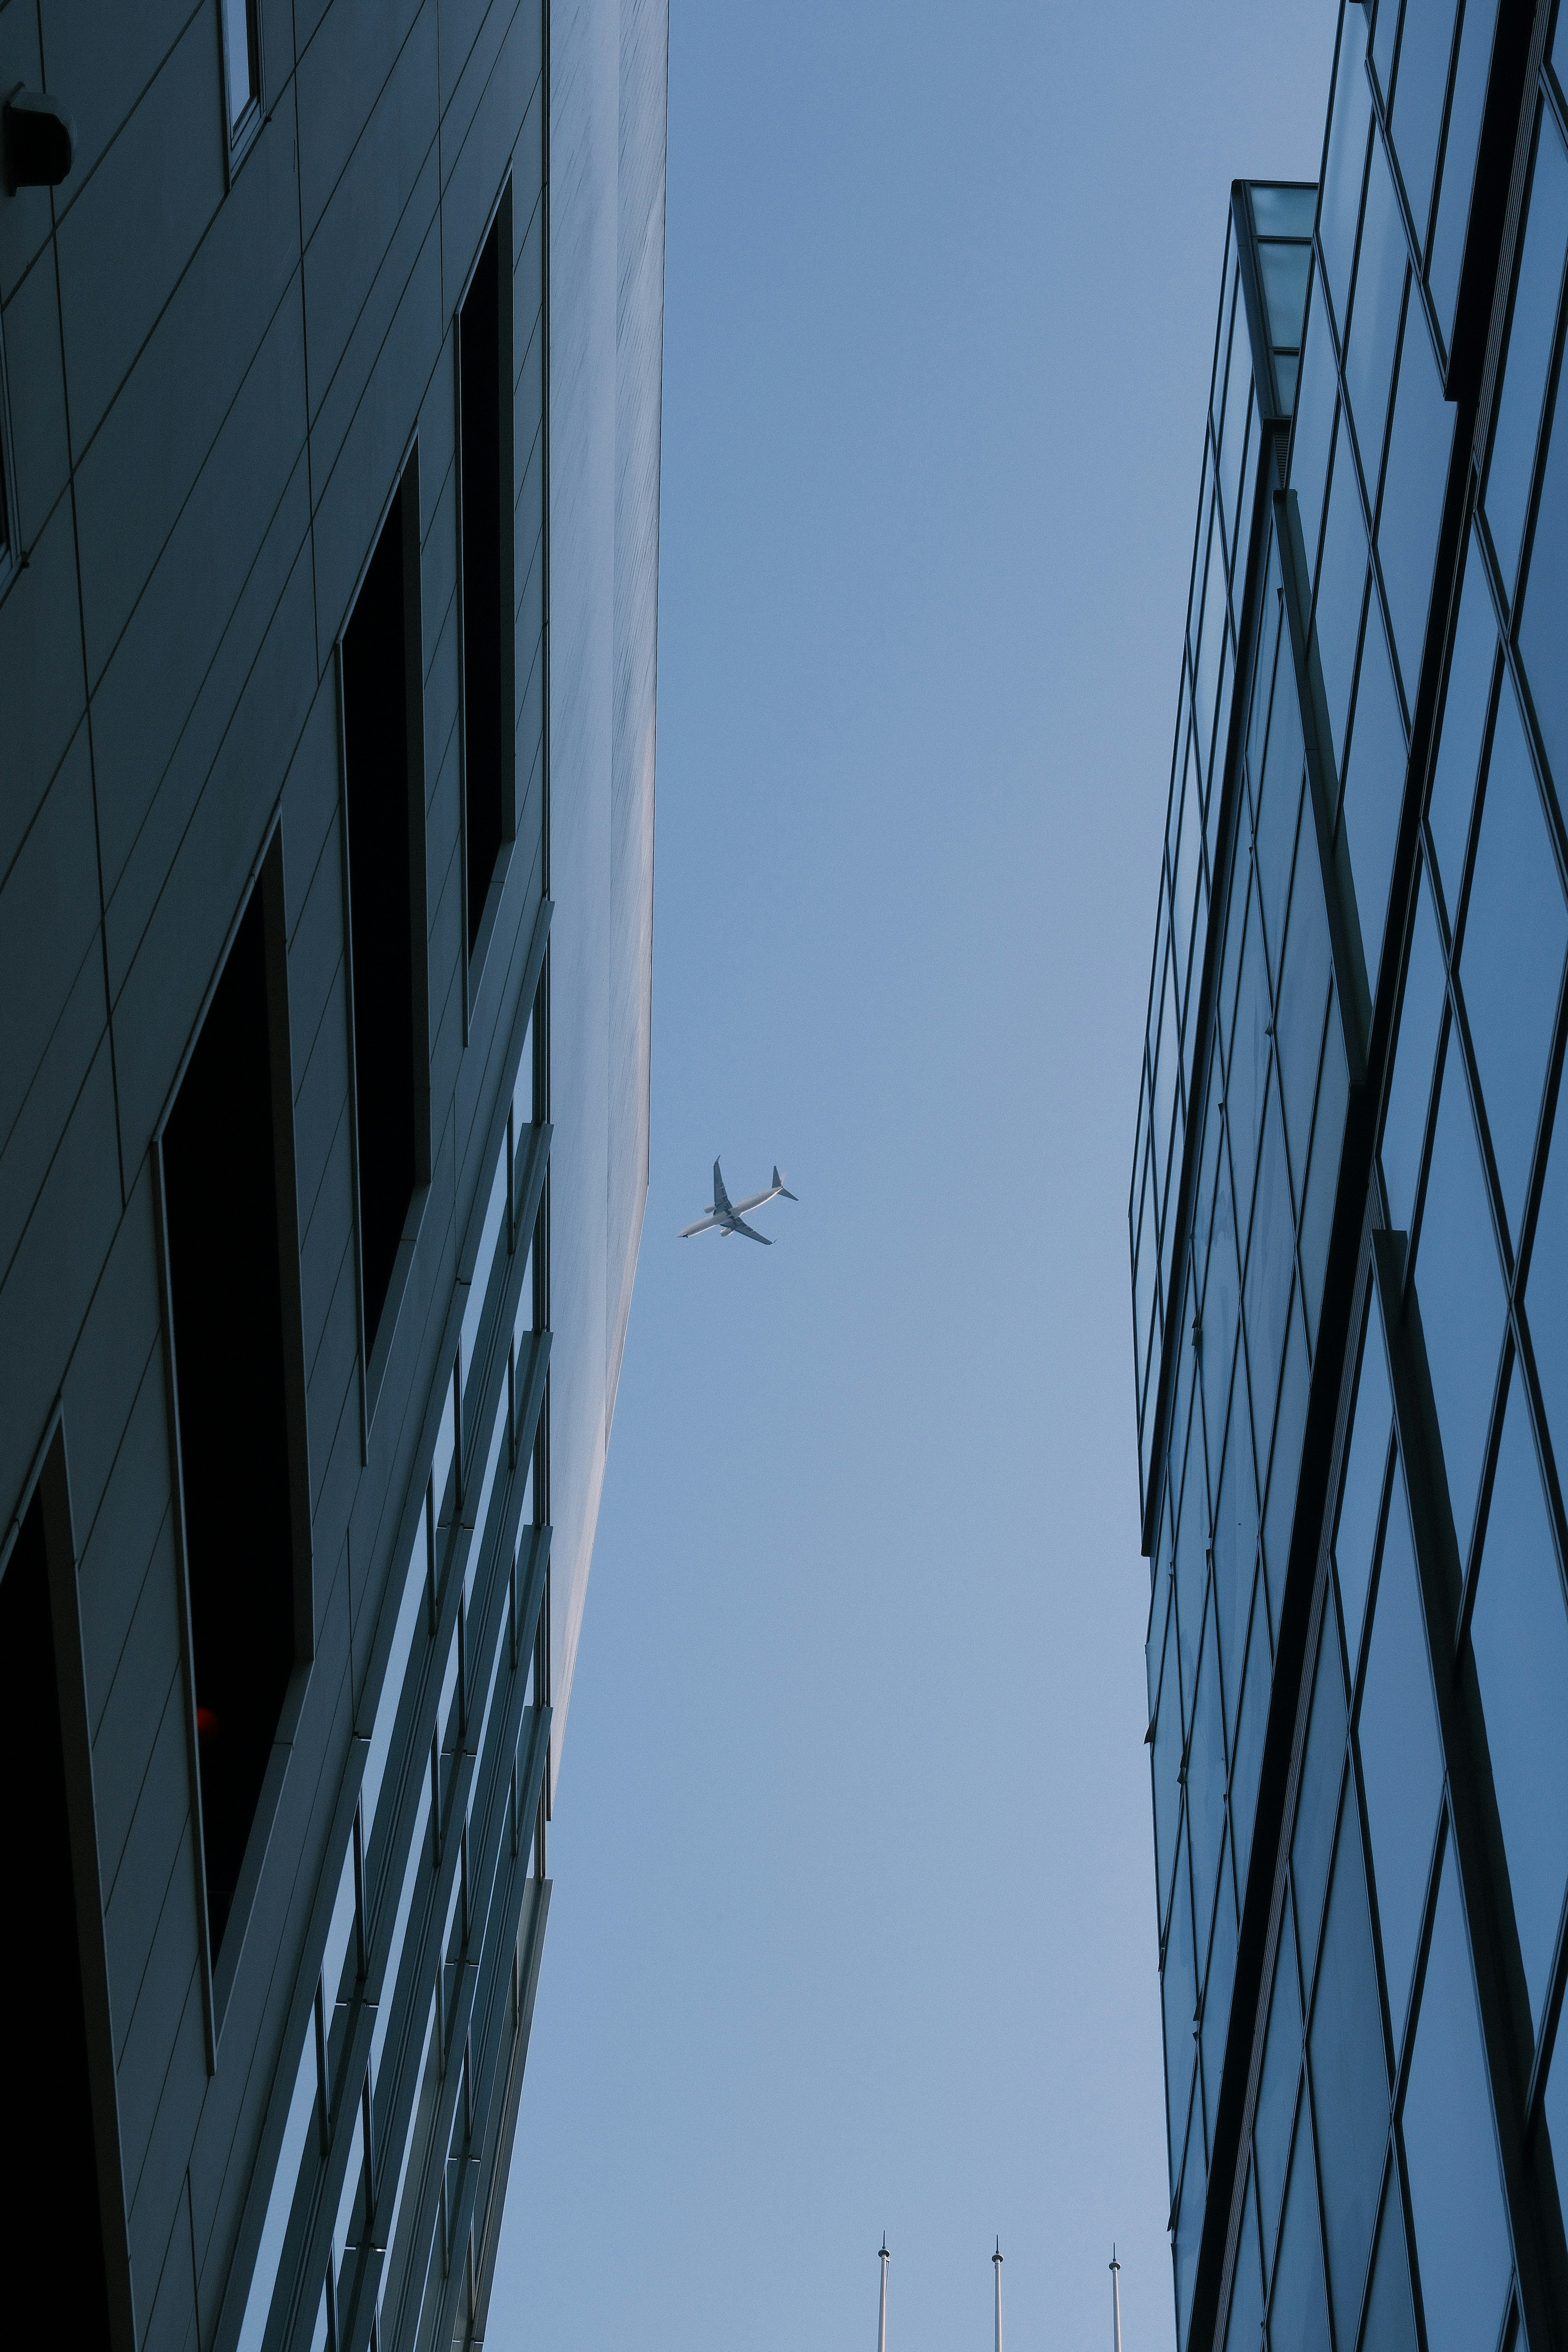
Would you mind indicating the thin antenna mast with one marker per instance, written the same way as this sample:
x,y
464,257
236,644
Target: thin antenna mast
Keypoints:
x,y
1115,2301
996,2258
882,2313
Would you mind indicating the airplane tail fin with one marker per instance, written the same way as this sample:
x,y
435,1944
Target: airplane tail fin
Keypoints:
x,y
782,1187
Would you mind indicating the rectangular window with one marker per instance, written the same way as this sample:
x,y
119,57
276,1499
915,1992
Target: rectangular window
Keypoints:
x,y
383,790
225,1187
241,67
54,2185
484,448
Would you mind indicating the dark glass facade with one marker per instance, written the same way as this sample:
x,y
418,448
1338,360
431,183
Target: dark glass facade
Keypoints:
x,y
1349,1223
330,387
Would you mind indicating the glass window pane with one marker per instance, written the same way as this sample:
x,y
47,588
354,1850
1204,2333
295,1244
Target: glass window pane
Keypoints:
x,y
1385,34
1410,1088
1401,1761
1346,162
1244,2321
1391,2311
1350,2077
1322,1169
1235,1553
1206,1784
1418,99
1190,2217
1510,962
1284,269
1460,1289
1247,1756
1303,1000
1179,1996
1366,1471
1269,1268
1374,787
1520,1633
1220,1978
1284,1477
1450,2150
1232,442
1419,440
1315,404
1531,335
1276,2087
1470,667
1374,312
1298,2307
1317,1800
238,58
1546,1287
1460,157
1167,1756
1341,582
1545,596
1281,211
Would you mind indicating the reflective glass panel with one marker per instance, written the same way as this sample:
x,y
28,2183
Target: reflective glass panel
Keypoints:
x,y
1531,335
1460,1289
1450,2150
1545,600
1247,1754
1322,1169
1510,961
1284,270
1470,667
1401,1761
1284,1476
1206,1784
1167,1760
1385,38
1346,161
1520,1633
1315,404
1277,2088
1374,313
1245,2319
1391,2311
1341,582
1298,2307
1282,211
1189,2218
1235,1551
1419,440
1303,1000
1460,157
1180,1992
1547,1286
1220,1979
239,59
1366,1469
1374,787
1350,2077
1317,1800
1410,1088
1418,98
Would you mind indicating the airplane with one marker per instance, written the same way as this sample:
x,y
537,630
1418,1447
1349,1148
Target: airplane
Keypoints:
x,y
729,1216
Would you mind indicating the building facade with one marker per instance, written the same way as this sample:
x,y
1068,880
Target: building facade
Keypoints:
x,y
330,384
1349,1233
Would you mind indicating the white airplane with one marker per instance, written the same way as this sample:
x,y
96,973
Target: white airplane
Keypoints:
x,y
730,1215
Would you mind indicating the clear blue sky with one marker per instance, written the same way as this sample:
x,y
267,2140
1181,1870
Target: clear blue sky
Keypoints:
x,y
854,1921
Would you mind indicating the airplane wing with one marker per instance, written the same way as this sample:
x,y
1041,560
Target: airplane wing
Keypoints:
x,y
699,1227
721,1198
738,1226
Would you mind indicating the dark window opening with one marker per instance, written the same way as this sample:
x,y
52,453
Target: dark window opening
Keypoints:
x,y
377,739
486,407
225,1278
55,2179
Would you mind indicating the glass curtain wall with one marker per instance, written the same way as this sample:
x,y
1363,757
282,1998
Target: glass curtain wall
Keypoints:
x,y
1349,1245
